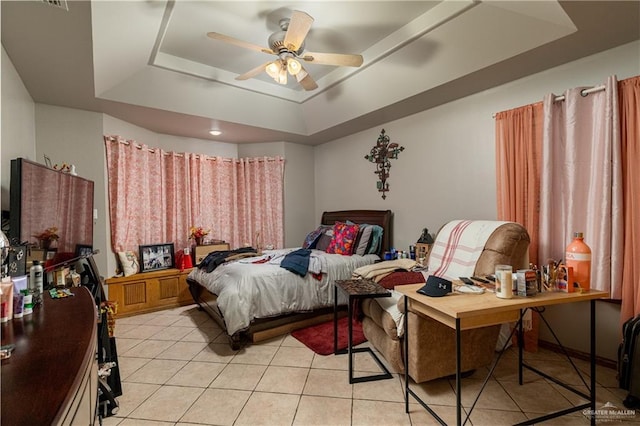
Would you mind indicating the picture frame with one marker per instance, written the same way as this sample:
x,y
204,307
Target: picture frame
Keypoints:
x,y
35,253
51,253
83,250
155,257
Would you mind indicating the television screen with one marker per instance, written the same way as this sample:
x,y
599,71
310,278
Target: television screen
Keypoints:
x,y
44,200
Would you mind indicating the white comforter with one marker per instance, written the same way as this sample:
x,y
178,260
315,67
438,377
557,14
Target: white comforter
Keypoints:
x,y
246,291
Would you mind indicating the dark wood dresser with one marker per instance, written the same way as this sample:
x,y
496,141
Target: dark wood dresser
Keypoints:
x,y
51,377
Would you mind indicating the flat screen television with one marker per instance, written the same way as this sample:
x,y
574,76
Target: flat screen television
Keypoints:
x,y
42,198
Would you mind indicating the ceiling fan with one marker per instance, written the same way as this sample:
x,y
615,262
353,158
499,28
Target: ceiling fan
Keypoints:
x,y
288,46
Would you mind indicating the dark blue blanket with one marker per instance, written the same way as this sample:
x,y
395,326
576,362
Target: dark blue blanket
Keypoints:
x,y
297,262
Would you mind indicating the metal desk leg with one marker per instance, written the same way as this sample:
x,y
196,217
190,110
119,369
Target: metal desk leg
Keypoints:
x,y
350,341
520,346
406,355
335,319
593,361
458,375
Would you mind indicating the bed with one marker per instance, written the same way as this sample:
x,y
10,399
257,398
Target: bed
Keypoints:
x,y
254,302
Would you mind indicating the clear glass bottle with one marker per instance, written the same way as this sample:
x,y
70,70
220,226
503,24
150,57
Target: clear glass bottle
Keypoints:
x,y
578,257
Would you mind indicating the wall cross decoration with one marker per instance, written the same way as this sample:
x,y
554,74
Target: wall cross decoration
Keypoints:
x,y
381,153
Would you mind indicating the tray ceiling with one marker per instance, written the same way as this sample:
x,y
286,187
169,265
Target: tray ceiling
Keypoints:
x,y
150,62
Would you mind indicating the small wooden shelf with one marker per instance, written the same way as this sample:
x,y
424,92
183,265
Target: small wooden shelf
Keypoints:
x,y
149,291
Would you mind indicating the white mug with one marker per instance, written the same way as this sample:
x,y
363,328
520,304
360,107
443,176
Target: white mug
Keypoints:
x,y
504,281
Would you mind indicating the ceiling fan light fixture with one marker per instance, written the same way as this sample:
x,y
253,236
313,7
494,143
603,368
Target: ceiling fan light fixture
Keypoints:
x,y
293,66
288,45
282,76
273,69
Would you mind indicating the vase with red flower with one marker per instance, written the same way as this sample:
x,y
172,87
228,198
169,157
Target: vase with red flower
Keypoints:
x,y
47,237
197,233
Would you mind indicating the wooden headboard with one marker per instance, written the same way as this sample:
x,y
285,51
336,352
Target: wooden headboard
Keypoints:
x,y
373,217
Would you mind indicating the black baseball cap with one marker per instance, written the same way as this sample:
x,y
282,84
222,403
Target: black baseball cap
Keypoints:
x,y
436,287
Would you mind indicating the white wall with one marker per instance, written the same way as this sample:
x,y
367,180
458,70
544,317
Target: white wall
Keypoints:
x,y
299,202
197,146
447,170
113,126
18,125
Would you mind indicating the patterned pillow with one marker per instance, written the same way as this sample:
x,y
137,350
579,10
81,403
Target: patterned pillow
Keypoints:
x,y
343,238
129,262
311,238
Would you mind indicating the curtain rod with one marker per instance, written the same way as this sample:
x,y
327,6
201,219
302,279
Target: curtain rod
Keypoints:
x,y
583,92
152,150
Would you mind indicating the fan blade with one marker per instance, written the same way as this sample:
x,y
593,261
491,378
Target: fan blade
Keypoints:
x,y
250,74
306,81
239,43
299,26
333,59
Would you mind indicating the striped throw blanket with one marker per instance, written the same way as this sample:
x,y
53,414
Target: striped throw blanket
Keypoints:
x,y
458,246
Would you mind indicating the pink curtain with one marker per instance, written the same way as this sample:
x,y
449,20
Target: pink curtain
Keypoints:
x,y
240,200
630,135
581,187
156,196
176,187
136,207
518,157
262,204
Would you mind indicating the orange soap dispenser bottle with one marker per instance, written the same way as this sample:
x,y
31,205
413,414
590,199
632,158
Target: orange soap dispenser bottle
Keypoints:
x,y
578,257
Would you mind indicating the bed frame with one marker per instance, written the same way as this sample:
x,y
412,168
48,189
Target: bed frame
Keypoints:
x,y
267,328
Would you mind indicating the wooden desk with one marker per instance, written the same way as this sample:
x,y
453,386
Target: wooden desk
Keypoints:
x,y
467,311
51,377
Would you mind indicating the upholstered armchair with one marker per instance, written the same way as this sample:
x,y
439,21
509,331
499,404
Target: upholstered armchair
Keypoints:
x,y
461,248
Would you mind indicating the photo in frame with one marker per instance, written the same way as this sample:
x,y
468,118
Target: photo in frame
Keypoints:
x,y
83,250
155,257
51,253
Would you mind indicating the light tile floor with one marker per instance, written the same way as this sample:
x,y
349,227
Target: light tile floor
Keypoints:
x,y
178,369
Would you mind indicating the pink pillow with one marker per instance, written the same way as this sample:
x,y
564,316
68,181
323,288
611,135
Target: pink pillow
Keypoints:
x,y
343,238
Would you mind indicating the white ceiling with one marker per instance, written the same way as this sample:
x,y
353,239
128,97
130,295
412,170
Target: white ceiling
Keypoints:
x,y
150,62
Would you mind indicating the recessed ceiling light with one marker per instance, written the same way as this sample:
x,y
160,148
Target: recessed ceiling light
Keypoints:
x,y
215,132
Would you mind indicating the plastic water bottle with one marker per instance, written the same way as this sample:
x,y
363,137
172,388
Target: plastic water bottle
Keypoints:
x,y
36,275
578,257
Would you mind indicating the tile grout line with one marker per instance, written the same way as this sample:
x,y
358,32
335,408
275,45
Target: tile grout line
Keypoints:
x,y
279,345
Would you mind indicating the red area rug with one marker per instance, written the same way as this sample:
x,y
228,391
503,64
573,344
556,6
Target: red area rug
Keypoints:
x,y
319,337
